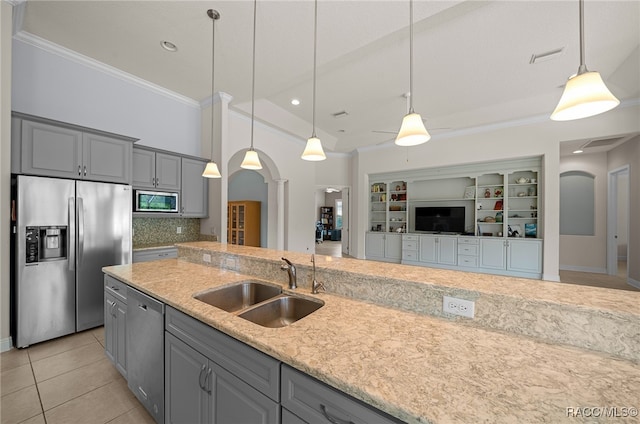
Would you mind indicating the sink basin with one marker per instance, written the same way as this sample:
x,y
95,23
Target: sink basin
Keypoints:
x,y
238,296
281,311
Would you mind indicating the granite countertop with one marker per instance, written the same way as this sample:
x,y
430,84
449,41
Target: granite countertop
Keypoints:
x,y
417,368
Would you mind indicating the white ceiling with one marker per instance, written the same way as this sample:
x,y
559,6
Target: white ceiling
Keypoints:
x,y
471,58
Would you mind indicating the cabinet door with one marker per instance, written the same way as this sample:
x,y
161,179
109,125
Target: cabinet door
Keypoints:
x,y
290,418
374,245
106,159
121,338
185,371
144,168
110,327
168,171
524,255
234,401
51,151
393,246
195,189
447,250
492,254
428,249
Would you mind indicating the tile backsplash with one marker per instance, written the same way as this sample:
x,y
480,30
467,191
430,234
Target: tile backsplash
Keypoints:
x,y
161,231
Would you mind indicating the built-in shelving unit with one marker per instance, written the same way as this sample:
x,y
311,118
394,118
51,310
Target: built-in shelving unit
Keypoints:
x,y
388,206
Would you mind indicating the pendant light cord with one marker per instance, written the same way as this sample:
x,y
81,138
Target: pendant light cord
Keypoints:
x,y
583,68
411,56
315,54
253,77
213,15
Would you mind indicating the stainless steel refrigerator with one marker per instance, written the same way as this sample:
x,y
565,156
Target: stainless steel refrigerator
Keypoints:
x,y
65,232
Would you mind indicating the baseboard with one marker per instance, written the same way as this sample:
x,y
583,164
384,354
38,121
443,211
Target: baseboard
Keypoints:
x,y
633,283
583,269
5,344
547,277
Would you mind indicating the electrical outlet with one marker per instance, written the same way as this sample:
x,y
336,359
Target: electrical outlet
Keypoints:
x,y
230,263
455,306
206,258
178,230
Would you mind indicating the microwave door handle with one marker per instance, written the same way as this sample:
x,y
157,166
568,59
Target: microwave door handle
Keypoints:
x,y
71,220
80,230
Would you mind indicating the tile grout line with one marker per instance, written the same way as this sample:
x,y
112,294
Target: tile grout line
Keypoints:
x,y
35,382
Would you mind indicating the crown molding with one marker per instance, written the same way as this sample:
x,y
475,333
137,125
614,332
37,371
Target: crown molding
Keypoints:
x,y
81,59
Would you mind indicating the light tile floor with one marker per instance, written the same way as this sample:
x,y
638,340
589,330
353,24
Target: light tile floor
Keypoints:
x,y
66,380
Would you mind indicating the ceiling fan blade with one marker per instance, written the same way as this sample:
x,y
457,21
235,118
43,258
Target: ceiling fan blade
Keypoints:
x,y
384,132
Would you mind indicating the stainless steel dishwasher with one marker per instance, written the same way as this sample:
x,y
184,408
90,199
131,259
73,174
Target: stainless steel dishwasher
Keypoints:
x,y
145,351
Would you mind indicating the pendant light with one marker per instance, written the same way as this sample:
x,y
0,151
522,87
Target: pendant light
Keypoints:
x,y
412,131
251,159
211,170
313,151
585,94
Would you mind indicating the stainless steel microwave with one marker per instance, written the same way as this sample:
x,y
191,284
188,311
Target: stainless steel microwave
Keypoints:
x,y
155,201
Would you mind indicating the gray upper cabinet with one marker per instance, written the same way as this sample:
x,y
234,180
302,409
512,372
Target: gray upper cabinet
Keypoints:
x,y
156,170
48,148
195,189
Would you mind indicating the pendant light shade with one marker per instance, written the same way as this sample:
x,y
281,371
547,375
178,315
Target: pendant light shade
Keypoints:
x,y
585,94
251,159
412,131
211,170
313,150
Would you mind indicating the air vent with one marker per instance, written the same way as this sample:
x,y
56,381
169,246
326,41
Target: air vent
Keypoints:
x,y
543,57
604,142
340,114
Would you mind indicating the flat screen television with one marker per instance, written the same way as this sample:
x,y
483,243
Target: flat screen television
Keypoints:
x,y
440,219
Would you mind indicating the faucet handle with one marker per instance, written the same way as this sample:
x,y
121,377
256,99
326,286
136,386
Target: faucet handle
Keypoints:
x,y
316,287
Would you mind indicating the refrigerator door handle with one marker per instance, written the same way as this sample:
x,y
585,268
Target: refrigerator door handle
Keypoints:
x,y
80,230
71,219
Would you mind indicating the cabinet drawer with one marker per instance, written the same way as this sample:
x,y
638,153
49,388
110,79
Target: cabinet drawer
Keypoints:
x,y
410,238
260,371
468,240
468,249
409,245
468,261
155,254
116,287
410,255
315,402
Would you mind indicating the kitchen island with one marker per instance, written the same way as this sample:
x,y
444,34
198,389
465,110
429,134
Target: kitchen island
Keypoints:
x,y
413,366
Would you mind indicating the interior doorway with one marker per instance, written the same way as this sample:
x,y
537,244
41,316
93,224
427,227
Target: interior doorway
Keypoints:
x,y
618,222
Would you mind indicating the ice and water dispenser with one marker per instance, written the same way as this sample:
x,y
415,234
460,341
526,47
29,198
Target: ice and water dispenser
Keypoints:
x,y
46,243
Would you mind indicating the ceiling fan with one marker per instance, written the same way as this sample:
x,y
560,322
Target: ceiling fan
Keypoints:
x,y
406,96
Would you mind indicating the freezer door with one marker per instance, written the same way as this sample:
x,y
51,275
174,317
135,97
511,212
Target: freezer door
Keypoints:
x,y
104,239
45,290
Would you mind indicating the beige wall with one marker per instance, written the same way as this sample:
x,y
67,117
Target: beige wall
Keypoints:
x,y
5,168
588,253
629,154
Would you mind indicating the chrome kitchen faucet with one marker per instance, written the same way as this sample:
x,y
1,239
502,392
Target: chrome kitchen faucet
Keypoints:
x,y
291,269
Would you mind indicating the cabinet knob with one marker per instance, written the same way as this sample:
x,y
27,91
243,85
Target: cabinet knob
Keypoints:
x,y
79,170
85,170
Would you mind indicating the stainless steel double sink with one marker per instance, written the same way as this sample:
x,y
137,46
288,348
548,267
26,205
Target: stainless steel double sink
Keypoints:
x,y
260,303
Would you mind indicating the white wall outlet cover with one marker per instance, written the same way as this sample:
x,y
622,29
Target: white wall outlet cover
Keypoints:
x,y
178,230
455,306
206,258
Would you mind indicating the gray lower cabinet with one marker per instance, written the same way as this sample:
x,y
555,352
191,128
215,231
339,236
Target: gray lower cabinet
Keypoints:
x,y
311,401
213,378
195,189
115,323
289,417
383,246
56,149
145,351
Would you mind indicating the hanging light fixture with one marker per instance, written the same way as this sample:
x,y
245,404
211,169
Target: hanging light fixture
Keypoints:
x,y
313,151
585,94
211,170
251,159
412,131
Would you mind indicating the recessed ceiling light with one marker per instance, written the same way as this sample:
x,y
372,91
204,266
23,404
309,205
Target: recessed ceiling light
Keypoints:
x,y
169,46
295,102
578,151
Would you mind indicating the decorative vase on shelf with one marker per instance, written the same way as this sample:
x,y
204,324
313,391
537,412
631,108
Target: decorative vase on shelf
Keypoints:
x,y
487,193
